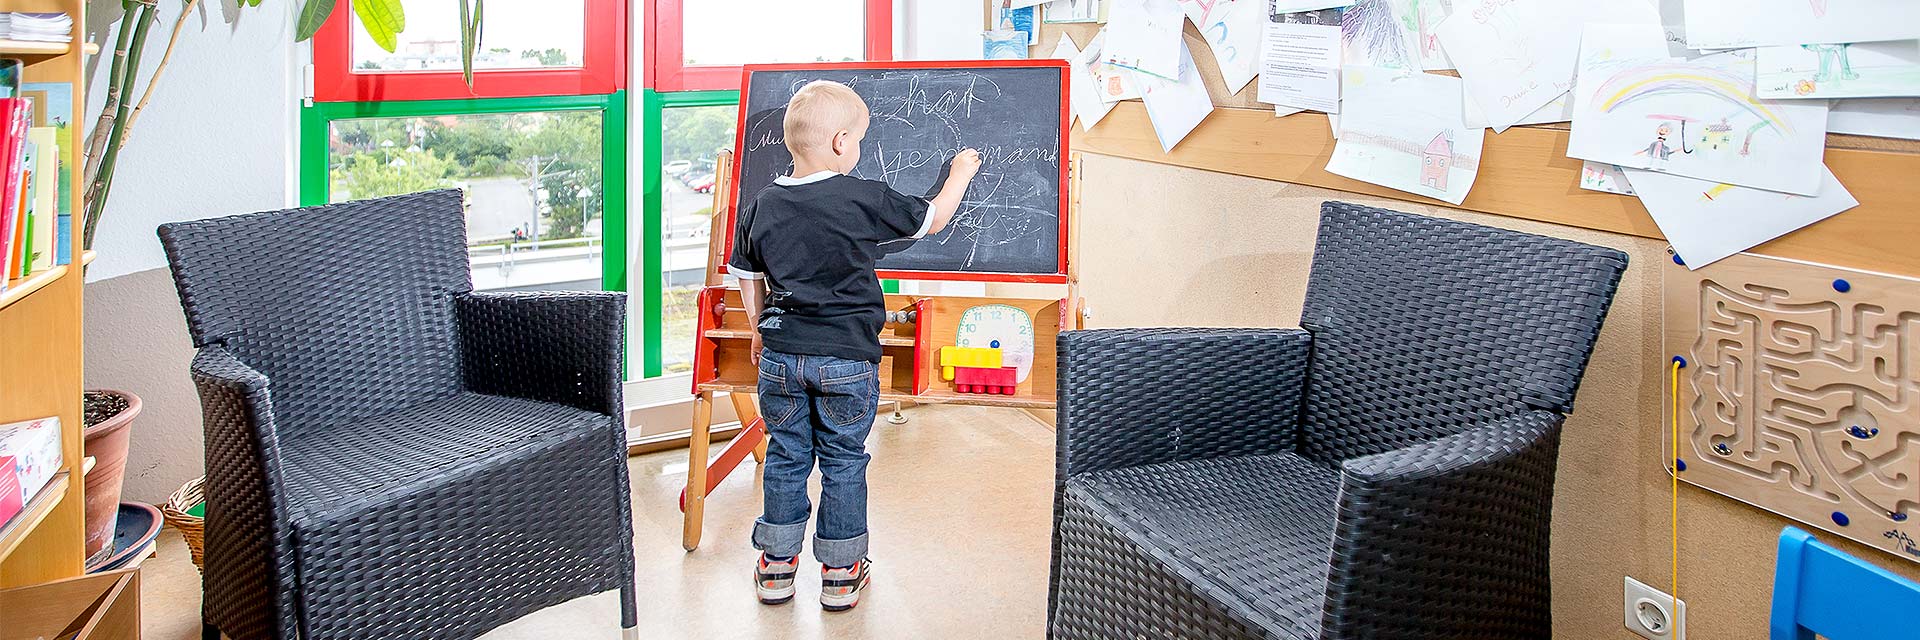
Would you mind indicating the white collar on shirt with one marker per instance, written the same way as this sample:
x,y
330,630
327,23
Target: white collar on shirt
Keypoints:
x,y
790,181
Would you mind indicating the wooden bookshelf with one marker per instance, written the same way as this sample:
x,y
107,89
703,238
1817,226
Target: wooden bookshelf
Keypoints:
x,y
40,347
33,48
35,511
20,288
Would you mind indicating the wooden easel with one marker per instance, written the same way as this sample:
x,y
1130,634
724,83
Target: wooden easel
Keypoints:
x,y
909,368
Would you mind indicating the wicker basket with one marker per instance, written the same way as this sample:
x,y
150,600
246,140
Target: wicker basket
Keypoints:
x,y
192,527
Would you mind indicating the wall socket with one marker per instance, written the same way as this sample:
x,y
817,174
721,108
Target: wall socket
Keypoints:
x,y
1653,613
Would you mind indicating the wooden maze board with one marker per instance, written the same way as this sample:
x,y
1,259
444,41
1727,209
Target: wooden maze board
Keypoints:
x,y
1801,392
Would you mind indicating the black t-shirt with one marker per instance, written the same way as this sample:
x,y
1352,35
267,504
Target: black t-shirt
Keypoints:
x,y
814,240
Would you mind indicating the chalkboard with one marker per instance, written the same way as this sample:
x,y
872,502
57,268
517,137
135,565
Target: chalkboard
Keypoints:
x,y
1012,224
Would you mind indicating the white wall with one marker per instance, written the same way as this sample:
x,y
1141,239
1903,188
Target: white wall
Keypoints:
x,y
940,29
218,137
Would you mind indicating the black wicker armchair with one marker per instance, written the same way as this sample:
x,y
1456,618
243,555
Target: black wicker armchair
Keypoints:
x,y
1385,472
390,454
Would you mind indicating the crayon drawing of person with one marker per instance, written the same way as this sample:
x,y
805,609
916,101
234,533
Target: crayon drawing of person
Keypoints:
x,y
1658,149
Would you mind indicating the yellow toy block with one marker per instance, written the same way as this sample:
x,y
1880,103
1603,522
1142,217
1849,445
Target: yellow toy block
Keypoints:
x,y
982,357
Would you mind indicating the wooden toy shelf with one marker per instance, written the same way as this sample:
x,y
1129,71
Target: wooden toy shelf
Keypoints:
x,y
909,363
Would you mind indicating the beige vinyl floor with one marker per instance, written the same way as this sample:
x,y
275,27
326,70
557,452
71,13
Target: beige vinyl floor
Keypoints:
x,y
960,503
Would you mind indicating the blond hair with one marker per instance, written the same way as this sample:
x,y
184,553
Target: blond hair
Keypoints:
x,y
818,111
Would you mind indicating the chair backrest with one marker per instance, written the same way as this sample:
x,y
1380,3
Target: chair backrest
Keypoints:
x,y
1819,589
347,308
1424,327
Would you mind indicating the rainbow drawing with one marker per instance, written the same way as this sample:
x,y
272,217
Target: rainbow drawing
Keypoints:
x,y
1668,79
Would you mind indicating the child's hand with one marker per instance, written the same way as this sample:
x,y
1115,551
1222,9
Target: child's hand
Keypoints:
x,y
965,164
753,348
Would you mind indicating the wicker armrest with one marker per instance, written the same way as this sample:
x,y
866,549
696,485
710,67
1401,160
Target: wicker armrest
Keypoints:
x,y
1454,524
248,522
559,346
1130,397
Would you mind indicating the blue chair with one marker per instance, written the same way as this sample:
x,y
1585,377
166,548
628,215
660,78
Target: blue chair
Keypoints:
x,y
1819,589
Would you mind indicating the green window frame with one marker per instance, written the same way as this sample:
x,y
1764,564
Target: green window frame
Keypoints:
x,y
316,120
653,107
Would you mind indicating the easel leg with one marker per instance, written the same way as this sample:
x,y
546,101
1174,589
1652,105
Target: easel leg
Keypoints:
x,y
696,493
897,417
744,408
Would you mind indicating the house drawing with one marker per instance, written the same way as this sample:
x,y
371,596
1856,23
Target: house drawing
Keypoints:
x,y
1438,161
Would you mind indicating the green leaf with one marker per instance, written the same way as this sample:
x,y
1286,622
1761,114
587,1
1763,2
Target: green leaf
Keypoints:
x,y
312,15
383,19
470,29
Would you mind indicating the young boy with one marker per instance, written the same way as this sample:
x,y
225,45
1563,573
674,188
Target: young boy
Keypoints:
x,y
804,251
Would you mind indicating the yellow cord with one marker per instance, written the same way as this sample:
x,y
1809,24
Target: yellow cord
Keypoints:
x,y
1676,479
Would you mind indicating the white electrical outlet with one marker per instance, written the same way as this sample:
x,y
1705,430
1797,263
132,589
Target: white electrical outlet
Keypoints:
x,y
1653,614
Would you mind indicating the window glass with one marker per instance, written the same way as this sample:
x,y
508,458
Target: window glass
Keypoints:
x,y
533,183
516,34
690,138
732,32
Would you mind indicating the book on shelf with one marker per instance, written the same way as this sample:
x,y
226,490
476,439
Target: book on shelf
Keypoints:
x,y
29,457
15,113
52,108
23,197
40,196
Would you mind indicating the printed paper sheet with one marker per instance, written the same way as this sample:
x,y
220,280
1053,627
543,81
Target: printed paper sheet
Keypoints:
x,y
1301,66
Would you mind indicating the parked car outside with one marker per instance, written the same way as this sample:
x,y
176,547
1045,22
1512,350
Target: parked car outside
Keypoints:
x,y
702,184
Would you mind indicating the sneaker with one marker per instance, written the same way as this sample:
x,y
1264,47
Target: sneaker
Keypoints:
x,y
774,579
840,586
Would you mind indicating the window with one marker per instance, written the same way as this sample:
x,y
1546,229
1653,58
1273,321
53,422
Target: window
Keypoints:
x,y
539,140
714,35
528,48
689,108
700,44
690,138
518,35
544,177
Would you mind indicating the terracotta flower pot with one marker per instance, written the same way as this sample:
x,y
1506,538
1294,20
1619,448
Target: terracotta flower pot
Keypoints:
x,y
106,443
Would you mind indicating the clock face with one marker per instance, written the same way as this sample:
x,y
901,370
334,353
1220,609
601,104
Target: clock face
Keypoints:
x,y
1006,327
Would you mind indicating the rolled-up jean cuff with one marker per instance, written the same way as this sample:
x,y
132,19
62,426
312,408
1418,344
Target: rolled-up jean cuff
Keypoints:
x,y
782,540
840,553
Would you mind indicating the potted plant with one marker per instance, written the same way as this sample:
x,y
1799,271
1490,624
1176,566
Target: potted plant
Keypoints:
x,y
109,413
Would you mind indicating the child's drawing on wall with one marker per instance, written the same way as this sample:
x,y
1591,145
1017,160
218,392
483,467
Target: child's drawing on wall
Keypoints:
x,y
1774,145
1832,55
1438,161
1407,130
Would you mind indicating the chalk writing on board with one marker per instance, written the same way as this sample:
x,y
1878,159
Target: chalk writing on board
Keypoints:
x,y
1009,219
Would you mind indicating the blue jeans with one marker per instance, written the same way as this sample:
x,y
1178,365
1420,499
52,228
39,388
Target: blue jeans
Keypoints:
x,y
816,408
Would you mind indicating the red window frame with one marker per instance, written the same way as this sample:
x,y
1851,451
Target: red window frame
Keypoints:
x,y
603,67
668,70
